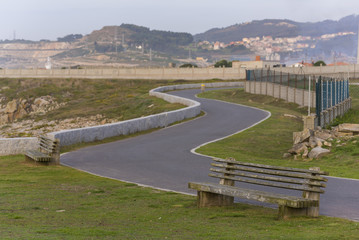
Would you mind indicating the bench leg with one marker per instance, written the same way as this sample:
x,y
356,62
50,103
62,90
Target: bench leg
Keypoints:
x,y
287,212
207,199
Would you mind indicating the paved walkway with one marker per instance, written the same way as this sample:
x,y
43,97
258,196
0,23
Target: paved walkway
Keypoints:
x,y
163,159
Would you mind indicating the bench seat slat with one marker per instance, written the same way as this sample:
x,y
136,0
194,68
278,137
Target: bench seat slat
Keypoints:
x,y
271,172
270,167
270,184
38,156
280,199
269,178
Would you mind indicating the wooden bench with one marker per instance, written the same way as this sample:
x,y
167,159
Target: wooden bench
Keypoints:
x,y
48,151
229,171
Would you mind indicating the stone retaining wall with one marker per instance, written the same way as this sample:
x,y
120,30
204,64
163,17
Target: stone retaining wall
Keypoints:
x,y
11,146
89,134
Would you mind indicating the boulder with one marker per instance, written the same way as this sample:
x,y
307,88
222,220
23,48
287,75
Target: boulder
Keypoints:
x,y
302,136
322,135
298,148
318,152
348,127
11,106
312,143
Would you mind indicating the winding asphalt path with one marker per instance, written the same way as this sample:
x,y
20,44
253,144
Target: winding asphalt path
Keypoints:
x,y
163,159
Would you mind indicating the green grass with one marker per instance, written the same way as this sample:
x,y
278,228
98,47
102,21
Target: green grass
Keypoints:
x,y
56,202
267,142
352,116
115,99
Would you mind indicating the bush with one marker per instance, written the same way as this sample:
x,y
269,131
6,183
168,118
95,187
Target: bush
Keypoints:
x,y
223,63
188,65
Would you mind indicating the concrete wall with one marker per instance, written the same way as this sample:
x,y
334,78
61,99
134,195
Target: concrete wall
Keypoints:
x,y
129,73
89,134
289,94
330,71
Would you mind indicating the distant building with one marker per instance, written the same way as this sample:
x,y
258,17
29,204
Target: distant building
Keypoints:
x,y
48,64
255,64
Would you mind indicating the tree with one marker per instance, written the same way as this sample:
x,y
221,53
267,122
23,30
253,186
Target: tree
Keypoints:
x,y
70,38
318,63
223,63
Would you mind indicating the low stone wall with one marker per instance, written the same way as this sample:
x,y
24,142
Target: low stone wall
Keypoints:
x,y
90,134
12,146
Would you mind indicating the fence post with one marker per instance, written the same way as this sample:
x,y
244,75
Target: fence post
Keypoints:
x,y
295,88
273,82
267,82
280,84
288,87
309,96
261,80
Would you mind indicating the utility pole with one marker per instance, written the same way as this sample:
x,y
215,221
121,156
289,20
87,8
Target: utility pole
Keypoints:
x,y
150,54
115,39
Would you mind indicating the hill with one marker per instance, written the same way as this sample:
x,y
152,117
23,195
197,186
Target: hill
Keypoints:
x,y
279,28
130,36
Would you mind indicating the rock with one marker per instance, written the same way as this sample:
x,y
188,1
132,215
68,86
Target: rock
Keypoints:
x,y
3,119
318,142
287,155
41,102
312,143
328,144
305,153
322,135
291,116
318,152
344,134
347,127
11,106
302,136
298,148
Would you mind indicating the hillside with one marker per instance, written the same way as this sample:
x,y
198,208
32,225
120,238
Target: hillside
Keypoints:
x,y
279,28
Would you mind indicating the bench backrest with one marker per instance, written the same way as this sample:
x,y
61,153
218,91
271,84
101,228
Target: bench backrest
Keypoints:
x,y
231,171
48,145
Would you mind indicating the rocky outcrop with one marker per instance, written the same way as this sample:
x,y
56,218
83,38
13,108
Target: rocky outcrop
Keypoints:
x,y
20,108
315,144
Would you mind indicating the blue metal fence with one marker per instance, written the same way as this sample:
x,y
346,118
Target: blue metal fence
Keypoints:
x,y
331,95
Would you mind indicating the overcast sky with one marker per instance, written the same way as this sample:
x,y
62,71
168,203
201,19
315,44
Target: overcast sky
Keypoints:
x,y
49,19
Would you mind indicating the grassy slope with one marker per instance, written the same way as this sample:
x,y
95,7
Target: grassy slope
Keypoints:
x,y
266,142
57,202
118,99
